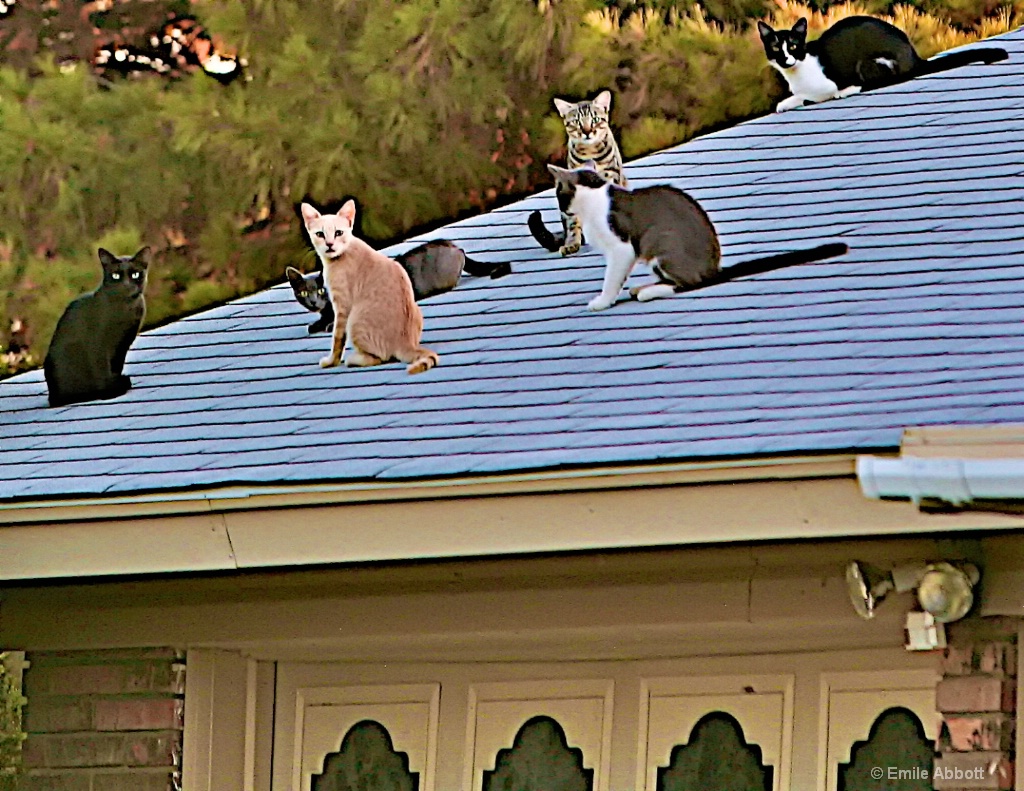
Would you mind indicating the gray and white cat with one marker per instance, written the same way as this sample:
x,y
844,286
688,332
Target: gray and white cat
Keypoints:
x,y
858,53
590,139
663,227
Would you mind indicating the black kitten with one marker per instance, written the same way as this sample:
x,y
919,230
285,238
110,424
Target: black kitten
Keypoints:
x,y
856,54
87,351
433,268
311,293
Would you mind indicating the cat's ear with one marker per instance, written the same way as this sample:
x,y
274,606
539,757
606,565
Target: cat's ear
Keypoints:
x,y
144,256
294,275
800,28
603,100
765,31
348,211
562,176
589,165
309,213
563,107
108,259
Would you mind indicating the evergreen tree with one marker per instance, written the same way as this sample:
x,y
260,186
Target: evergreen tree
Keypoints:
x,y
421,109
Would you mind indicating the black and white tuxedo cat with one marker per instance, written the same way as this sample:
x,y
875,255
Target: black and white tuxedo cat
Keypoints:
x,y
856,54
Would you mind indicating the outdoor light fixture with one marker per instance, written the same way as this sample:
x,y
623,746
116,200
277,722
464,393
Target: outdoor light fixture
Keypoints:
x,y
945,593
869,585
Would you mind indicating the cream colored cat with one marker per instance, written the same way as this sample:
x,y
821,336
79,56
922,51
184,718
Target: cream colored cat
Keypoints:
x,y
372,296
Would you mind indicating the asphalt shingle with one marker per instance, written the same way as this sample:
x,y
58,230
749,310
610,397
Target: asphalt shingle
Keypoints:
x,y
921,323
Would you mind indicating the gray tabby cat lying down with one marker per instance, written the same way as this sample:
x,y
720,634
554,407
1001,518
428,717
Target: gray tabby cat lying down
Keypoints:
x,y
433,268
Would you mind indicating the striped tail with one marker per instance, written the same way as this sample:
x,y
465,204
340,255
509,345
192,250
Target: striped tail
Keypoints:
x,y
425,360
756,266
544,237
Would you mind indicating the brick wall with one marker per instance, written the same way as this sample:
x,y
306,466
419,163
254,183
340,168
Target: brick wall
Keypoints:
x,y
104,720
977,698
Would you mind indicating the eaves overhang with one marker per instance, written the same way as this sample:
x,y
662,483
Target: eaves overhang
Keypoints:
x,y
682,505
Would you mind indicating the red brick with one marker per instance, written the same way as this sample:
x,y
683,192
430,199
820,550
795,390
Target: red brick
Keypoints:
x,y
139,714
998,659
958,660
133,780
978,770
968,732
104,679
60,751
975,694
59,781
45,714
54,751
162,749
103,656
89,780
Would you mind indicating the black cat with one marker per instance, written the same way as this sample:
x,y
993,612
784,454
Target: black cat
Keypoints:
x,y
311,293
92,338
858,53
433,268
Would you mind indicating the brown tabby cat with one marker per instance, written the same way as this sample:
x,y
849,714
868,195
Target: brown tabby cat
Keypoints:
x,y
371,294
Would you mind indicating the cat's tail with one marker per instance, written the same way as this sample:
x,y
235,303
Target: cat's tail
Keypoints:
x,y
756,266
955,60
424,360
540,232
495,269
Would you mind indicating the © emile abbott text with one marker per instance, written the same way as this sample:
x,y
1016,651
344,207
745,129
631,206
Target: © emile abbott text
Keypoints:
x,y
925,773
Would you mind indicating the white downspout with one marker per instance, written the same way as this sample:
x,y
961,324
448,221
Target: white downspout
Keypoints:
x,y
952,480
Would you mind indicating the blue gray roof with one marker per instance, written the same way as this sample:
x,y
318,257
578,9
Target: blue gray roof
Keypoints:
x,y
921,323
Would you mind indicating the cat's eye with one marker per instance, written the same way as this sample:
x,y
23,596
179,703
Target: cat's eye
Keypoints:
x,y
116,275
135,275
319,291
337,234
320,234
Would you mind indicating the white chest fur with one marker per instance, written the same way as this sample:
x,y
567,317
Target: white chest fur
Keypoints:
x,y
807,80
592,207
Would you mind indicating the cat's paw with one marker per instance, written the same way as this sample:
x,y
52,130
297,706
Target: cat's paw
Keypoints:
x,y
328,362
599,303
569,249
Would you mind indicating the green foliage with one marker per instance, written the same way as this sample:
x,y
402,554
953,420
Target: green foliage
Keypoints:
x,y
11,736
422,109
